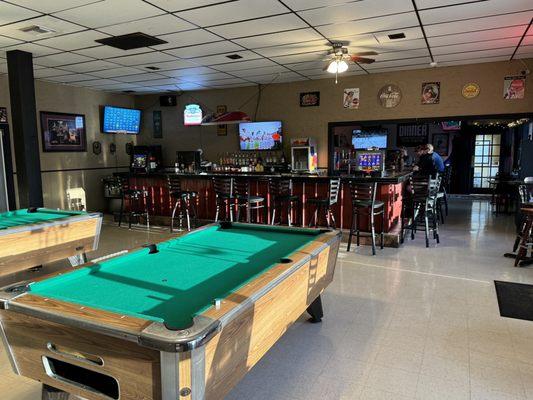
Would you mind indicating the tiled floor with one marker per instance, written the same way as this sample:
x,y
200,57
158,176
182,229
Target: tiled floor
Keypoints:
x,y
412,323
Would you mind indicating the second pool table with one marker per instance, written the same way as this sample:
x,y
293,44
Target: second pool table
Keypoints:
x,y
182,319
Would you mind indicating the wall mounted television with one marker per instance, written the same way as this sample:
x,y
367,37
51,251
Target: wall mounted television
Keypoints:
x,y
260,135
362,139
121,120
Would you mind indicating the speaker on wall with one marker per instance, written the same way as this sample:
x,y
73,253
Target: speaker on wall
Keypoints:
x,y
168,100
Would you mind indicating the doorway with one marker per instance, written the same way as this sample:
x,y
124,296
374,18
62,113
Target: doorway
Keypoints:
x,y
486,160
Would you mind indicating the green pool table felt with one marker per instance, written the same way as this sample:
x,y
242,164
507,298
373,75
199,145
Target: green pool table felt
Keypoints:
x,y
183,278
11,219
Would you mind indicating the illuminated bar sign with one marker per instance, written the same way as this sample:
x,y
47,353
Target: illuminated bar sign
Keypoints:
x,y
192,115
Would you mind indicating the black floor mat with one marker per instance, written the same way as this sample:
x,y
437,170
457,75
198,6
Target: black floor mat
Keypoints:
x,y
515,300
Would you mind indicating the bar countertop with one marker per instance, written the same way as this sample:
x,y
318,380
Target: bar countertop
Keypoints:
x,y
388,177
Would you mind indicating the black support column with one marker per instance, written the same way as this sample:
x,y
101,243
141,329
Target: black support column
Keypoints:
x,y
25,135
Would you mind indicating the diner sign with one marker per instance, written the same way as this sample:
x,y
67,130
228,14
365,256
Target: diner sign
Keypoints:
x,y
412,135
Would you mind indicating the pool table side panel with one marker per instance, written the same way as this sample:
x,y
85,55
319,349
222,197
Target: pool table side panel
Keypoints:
x,y
29,248
136,368
243,341
77,316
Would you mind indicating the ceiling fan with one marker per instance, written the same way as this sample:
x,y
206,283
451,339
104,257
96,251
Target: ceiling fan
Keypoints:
x,y
339,57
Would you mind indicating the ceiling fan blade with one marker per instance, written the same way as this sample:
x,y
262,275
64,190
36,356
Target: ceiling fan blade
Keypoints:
x,y
362,60
366,53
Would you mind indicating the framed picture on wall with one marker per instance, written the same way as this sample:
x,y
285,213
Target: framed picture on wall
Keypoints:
x,y
63,132
3,115
440,144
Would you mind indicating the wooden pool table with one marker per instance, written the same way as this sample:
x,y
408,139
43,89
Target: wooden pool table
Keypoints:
x,y
182,319
35,236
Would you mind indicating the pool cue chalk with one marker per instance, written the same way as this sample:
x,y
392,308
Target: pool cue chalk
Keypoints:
x,y
217,303
152,248
32,209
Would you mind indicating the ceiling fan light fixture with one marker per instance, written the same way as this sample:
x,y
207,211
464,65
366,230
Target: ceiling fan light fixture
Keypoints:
x,y
337,67
342,66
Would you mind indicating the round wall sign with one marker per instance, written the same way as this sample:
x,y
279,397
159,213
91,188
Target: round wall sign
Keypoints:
x,y
470,90
389,96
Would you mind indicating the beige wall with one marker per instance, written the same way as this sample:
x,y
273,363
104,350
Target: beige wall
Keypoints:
x,y
70,99
281,102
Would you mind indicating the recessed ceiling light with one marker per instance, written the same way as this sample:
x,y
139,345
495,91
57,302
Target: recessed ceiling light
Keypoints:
x,y
131,41
234,56
152,68
395,36
37,30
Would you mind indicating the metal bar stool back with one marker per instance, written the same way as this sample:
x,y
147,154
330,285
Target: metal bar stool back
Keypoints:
x,y
224,196
364,203
185,202
246,200
133,196
281,193
325,204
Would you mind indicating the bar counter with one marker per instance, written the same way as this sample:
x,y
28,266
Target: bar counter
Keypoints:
x,y
390,187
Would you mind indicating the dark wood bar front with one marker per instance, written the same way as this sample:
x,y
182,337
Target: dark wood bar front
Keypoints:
x,y
389,191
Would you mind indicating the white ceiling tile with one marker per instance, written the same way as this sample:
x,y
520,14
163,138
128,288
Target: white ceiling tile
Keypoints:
x,y
190,86
473,61
477,36
398,63
421,4
355,11
150,58
528,40
205,49
389,23
58,26
50,6
154,26
525,50
109,12
233,11
187,38
229,81
474,10
35,49
278,78
306,4
475,54
163,81
47,72
410,35
11,13
259,26
294,58
73,41
275,69
222,59
55,60
231,86
116,72
398,68
317,45
139,77
475,46
261,62
397,55
203,78
276,39
103,51
307,65
167,88
97,82
188,72
69,78
115,87
177,5
476,24
320,74
5,41
89,66
174,64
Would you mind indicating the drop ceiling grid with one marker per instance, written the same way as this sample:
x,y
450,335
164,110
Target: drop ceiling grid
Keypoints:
x,y
454,29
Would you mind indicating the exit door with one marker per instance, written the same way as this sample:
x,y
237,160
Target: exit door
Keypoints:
x,y
486,160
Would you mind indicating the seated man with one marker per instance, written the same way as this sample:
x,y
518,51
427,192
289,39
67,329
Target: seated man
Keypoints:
x,y
429,162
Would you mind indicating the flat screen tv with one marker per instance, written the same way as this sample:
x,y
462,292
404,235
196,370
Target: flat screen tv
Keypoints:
x,y
121,120
260,135
366,139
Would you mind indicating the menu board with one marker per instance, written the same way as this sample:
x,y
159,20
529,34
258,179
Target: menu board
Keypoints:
x,y
412,135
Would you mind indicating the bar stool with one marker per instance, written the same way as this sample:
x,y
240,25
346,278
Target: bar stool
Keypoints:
x,y
134,197
424,205
241,190
224,197
526,239
280,190
325,203
364,203
185,202
442,195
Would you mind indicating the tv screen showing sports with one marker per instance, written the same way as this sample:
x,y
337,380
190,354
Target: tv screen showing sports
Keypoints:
x,y
366,140
121,120
260,135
